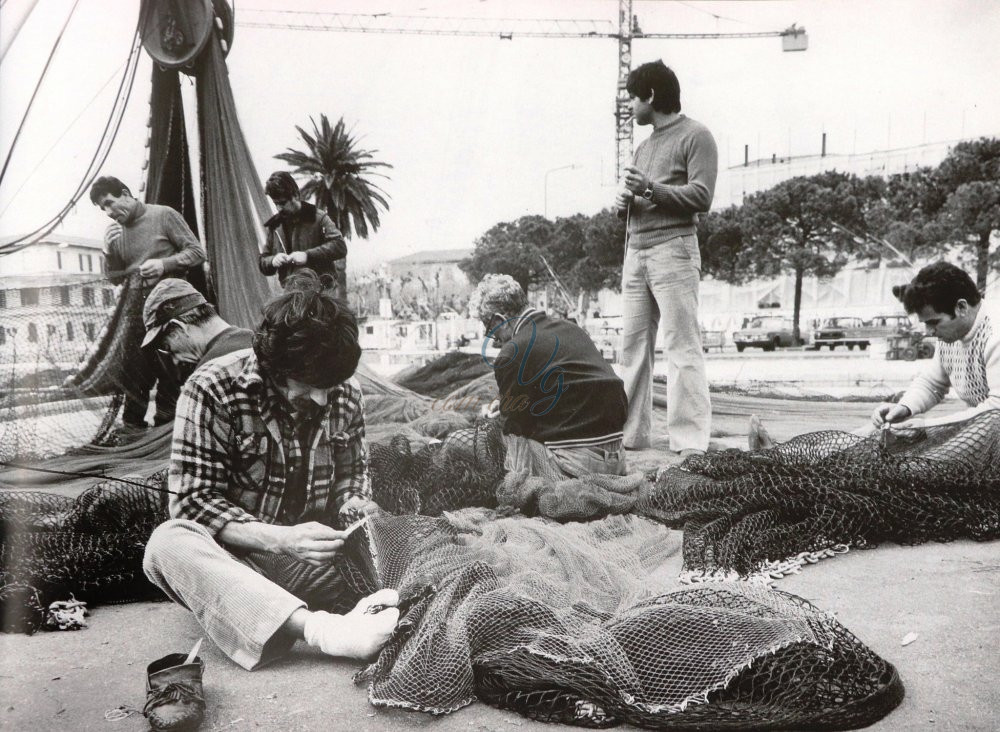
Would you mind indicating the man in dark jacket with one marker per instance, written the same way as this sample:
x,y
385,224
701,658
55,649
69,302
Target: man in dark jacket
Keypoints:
x,y
300,235
563,406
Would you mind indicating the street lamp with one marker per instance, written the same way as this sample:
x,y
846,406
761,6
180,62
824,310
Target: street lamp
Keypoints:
x,y
545,209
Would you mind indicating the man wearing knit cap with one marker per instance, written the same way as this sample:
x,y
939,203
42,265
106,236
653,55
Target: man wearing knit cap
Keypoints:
x,y
183,331
671,180
147,242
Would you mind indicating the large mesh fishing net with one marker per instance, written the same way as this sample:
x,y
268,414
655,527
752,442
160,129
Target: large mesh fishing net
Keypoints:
x,y
89,547
743,511
570,623
64,365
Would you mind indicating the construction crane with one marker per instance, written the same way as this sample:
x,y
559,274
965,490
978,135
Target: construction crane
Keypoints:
x,y
627,30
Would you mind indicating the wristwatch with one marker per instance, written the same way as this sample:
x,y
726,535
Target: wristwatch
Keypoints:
x,y
648,193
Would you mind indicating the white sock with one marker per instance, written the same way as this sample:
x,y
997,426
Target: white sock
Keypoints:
x,y
357,634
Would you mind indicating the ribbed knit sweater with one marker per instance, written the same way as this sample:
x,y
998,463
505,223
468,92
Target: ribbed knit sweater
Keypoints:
x,y
152,232
682,161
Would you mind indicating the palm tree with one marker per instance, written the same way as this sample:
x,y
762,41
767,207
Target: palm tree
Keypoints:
x,y
339,175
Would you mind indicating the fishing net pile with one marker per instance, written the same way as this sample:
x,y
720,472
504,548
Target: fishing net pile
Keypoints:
x,y
444,375
571,624
90,547
744,511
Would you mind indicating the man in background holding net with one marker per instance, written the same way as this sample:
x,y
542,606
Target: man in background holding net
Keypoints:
x,y
563,407
146,242
268,457
967,357
300,235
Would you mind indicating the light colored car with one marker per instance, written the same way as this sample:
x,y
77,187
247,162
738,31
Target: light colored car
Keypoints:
x,y
852,331
767,332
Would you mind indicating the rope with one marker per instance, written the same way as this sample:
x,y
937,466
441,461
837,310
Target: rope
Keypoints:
x,y
61,136
97,476
34,94
102,152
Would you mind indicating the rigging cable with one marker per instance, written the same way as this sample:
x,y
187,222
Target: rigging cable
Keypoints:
x,y
100,155
61,136
27,111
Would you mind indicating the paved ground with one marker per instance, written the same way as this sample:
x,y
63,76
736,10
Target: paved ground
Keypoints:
x,y
948,594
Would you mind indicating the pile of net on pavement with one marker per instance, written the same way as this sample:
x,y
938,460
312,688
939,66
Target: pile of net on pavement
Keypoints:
x,y
90,547
570,623
744,511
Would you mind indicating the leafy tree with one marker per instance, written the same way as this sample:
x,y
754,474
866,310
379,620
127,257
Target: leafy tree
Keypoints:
x,y
604,247
513,248
971,175
339,176
792,228
585,252
720,241
907,214
956,204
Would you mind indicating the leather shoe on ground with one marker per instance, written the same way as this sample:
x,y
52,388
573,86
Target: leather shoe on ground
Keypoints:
x,y
174,696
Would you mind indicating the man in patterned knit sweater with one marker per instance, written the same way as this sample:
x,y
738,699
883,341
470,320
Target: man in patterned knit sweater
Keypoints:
x,y
967,358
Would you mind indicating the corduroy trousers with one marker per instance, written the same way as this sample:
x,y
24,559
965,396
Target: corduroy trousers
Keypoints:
x,y
242,602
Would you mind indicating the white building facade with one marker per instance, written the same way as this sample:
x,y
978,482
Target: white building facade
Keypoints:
x,y
54,301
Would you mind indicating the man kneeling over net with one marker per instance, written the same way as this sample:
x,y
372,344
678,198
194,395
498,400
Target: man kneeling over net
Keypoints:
x,y
561,405
913,479
550,444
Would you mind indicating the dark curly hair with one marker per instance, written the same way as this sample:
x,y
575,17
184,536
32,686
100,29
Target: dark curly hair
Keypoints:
x,y
281,185
308,335
107,184
657,77
940,285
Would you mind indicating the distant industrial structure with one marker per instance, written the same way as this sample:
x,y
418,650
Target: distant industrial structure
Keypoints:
x,y
751,176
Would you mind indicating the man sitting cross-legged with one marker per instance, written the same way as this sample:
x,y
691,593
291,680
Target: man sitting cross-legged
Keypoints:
x,y
268,457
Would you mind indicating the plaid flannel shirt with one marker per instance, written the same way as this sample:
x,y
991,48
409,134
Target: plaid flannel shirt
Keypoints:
x,y
235,446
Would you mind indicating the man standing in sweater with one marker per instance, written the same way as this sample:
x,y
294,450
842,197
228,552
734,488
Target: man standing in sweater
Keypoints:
x,y
967,358
671,180
148,242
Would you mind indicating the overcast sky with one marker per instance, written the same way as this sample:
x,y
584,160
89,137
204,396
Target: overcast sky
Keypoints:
x,y
472,125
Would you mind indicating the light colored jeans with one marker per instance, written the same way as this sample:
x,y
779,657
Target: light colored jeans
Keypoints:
x,y
241,602
559,463
660,289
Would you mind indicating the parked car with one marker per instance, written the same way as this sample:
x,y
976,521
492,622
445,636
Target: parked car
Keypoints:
x,y
767,332
852,331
